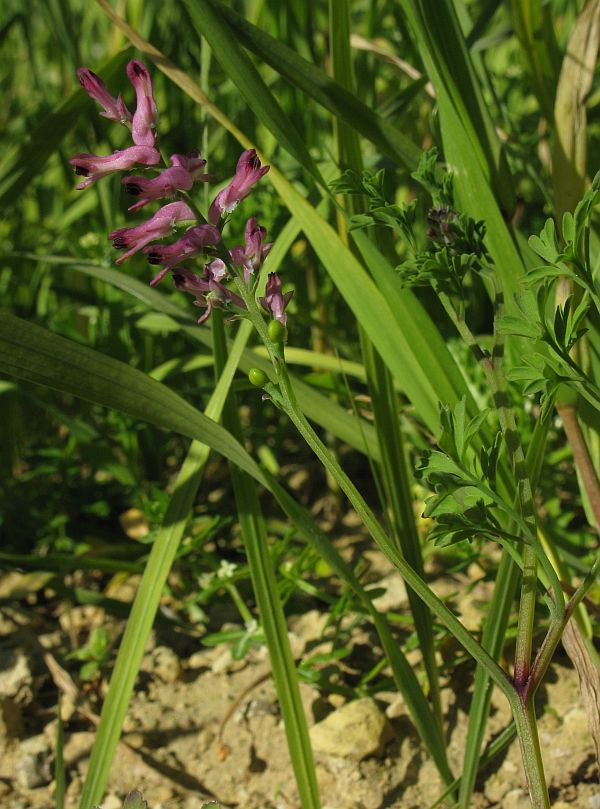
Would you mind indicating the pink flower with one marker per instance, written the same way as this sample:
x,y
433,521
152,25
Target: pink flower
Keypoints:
x,y
247,173
146,114
252,256
94,167
160,225
165,185
191,244
217,268
114,108
275,302
193,163
207,290
182,174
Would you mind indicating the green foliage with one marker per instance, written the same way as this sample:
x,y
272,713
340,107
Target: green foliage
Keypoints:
x,y
466,503
445,217
94,656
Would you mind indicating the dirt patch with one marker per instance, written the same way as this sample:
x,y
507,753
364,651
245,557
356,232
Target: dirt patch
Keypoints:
x,y
177,750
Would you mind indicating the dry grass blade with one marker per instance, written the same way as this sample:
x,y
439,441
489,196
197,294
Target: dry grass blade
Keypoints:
x,y
177,76
570,114
589,679
363,44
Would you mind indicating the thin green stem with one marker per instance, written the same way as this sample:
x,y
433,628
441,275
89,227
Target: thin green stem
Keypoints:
x,y
268,601
285,397
379,535
525,721
239,603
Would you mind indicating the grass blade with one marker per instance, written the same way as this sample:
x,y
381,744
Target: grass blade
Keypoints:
x,y
404,676
148,596
326,91
396,480
23,163
569,151
59,763
272,617
534,28
240,69
319,408
483,185
37,355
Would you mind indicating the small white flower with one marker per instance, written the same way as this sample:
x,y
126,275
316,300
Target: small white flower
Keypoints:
x,y
226,570
205,580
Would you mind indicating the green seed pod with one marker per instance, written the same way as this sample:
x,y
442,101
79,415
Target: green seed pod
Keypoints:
x,y
276,331
257,377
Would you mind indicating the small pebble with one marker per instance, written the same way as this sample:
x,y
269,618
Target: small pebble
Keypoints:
x,y
166,665
33,768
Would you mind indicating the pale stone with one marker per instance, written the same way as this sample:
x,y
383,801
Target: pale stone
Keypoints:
x,y
112,802
516,799
15,675
356,730
134,523
396,708
165,664
395,596
33,768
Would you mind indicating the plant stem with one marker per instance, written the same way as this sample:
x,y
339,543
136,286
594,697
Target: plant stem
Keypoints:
x,y
523,707
525,721
285,398
265,589
555,632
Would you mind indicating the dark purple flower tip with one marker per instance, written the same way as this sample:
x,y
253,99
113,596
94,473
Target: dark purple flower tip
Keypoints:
x,y
157,227
133,189
155,257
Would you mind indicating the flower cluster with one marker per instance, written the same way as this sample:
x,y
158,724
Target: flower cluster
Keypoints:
x,y
202,237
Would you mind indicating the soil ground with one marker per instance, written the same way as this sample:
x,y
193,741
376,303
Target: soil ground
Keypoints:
x,y
203,726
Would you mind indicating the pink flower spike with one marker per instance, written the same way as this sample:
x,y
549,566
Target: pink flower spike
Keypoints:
x,y
165,185
160,225
247,173
146,114
193,163
94,167
252,256
114,108
191,244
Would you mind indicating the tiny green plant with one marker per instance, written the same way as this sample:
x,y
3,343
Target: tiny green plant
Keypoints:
x,y
94,656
